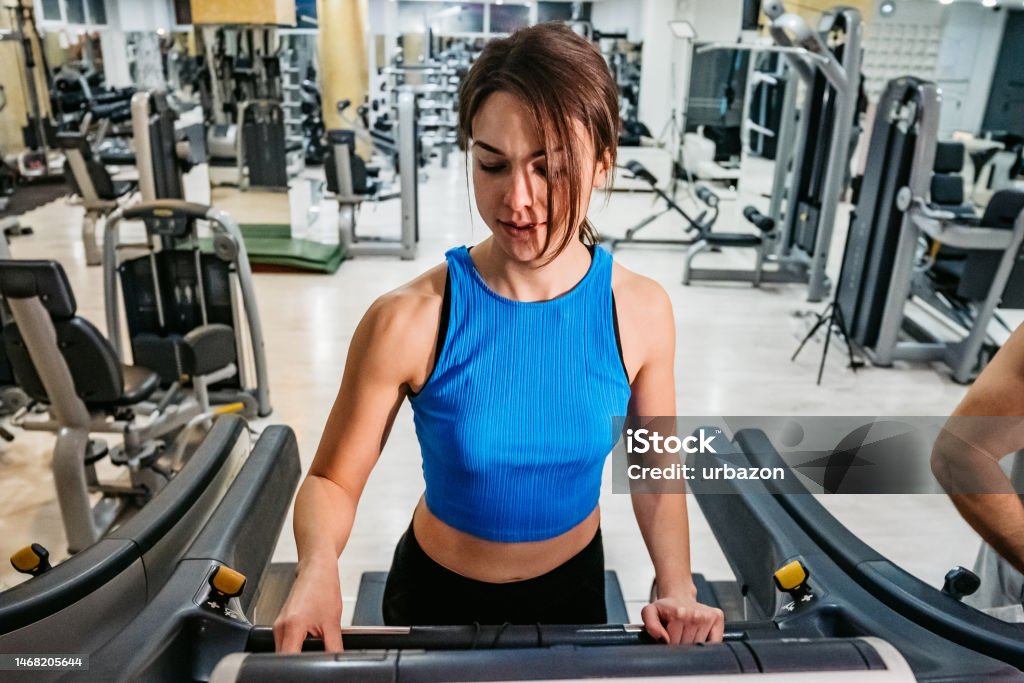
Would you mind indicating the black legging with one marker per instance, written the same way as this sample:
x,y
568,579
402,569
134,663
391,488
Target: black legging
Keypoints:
x,y
419,591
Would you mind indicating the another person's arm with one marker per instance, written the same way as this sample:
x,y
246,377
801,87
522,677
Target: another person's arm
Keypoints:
x,y
967,453
382,358
675,616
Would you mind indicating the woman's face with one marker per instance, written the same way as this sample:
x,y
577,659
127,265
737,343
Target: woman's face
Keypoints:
x,y
511,173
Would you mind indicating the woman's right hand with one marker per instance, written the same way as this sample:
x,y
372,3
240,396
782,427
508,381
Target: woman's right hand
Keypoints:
x,y
313,607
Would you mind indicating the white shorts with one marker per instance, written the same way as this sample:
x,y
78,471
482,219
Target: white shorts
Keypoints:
x,y
1001,593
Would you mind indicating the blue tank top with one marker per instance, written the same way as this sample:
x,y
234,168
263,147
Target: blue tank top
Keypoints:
x,y
516,419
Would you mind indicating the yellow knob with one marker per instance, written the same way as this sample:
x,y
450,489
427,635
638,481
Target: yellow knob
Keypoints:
x,y
791,576
236,407
26,560
227,581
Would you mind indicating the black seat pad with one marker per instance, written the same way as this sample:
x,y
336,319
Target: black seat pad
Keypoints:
x,y
139,384
117,157
733,239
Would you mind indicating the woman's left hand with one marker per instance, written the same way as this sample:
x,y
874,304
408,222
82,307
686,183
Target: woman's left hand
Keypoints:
x,y
681,620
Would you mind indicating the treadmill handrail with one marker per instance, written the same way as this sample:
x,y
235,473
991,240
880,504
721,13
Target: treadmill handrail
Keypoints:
x,y
730,505
79,575
487,637
241,534
219,537
912,597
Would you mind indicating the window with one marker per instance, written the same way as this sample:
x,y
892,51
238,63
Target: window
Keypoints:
x,y
51,10
440,17
97,12
507,18
75,10
560,11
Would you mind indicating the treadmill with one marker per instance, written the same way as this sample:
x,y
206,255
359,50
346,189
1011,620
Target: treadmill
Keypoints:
x,y
806,617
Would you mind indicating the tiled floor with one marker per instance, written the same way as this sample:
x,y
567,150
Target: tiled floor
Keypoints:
x,y
734,344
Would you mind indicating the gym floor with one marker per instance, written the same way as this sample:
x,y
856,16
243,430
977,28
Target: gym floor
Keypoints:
x,y
734,345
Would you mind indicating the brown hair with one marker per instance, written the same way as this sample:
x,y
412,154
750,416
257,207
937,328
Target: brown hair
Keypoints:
x,y
560,76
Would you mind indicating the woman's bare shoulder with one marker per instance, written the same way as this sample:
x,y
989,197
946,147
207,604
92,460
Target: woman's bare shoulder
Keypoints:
x,y
407,318
646,320
639,297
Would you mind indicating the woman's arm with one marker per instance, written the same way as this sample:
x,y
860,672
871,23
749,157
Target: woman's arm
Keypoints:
x,y
391,348
675,616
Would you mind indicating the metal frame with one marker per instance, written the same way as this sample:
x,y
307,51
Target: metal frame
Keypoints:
x,y
783,152
143,145
404,245
885,350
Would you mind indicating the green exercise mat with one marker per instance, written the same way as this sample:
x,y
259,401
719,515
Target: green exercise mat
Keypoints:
x,y
272,245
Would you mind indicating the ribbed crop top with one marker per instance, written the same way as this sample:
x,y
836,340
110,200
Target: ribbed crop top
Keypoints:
x,y
516,418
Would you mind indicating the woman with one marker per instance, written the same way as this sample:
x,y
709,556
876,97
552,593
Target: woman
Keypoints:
x,y
512,360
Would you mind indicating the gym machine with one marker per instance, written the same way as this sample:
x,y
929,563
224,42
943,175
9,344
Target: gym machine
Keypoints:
x,y
91,180
90,597
765,106
38,161
697,227
436,87
165,148
832,599
62,361
253,101
352,184
267,159
901,233
831,72
83,104
800,615
772,125
254,137
163,153
176,287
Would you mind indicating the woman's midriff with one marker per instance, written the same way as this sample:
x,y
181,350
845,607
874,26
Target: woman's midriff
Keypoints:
x,y
495,562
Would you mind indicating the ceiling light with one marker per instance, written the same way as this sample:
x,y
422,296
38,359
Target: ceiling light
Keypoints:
x,y
988,3
887,8
945,2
